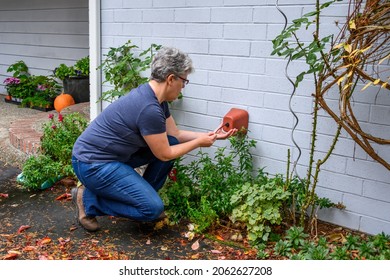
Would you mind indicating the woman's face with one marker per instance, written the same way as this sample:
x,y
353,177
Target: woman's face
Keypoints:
x,y
177,83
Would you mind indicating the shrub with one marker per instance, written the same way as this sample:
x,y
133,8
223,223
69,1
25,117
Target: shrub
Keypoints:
x,y
202,189
259,207
54,160
38,169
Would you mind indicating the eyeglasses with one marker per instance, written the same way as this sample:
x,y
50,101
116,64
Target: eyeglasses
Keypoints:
x,y
185,81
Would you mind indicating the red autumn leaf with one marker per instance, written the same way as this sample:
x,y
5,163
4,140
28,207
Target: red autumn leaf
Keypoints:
x,y
5,195
29,248
10,256
23,228
63,196
44,241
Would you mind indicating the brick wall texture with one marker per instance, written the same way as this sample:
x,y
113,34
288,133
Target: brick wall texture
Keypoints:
x,y
230,42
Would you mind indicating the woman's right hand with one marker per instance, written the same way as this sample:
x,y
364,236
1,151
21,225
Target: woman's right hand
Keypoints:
x,y
207,139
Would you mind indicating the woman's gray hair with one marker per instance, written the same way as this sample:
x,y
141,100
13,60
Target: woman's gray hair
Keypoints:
x,y
169,61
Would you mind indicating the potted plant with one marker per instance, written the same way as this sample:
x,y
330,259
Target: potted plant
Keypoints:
x,y
19,85
46,90
75,79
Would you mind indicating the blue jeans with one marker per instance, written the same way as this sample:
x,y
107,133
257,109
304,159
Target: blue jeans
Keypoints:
x,y
116,189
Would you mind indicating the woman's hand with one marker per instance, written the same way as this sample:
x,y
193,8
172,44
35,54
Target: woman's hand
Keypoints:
x,y
207,139
221,134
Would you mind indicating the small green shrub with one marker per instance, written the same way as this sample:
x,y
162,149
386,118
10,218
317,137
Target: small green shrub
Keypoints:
x,y
259,207
202,189
296,236
54,160
60,134
38,169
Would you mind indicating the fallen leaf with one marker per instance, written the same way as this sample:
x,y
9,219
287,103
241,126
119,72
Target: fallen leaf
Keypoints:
x,y
29,248
148,241
10,256
73,228
219,237
195,257
14,252
195,245
159,225
23,228
63,241
191,227
43,257
164,248
336,237
190,235
215,251
5,195
45,240
64,196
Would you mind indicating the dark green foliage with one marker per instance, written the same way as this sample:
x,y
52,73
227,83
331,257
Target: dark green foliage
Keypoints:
x,y
124,70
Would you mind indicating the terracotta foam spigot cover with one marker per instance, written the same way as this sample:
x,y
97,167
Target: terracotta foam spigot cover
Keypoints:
x,y
236,118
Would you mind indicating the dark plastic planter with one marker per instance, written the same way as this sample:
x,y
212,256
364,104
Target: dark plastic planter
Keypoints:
x,y
78,87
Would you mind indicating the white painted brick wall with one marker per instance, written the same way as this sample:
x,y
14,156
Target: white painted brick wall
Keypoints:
x,y
230,42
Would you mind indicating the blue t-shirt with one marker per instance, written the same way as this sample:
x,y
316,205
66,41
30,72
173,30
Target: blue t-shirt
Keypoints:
x,y
116,133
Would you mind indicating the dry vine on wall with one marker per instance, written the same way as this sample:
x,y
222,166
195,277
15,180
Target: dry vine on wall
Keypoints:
x,y
344,61
364,41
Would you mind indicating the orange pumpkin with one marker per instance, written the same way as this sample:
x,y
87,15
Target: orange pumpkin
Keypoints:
x,y
62,101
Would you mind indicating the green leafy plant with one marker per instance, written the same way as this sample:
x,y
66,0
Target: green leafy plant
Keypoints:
x,y
38,169
19,69
33,90
20,84
46,89
317,252
54,159
60,134
283,248
296,236
259,207
340,253
79,69
204,186
124,70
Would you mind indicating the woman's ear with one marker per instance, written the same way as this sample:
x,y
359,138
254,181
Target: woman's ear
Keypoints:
x,y
170,79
